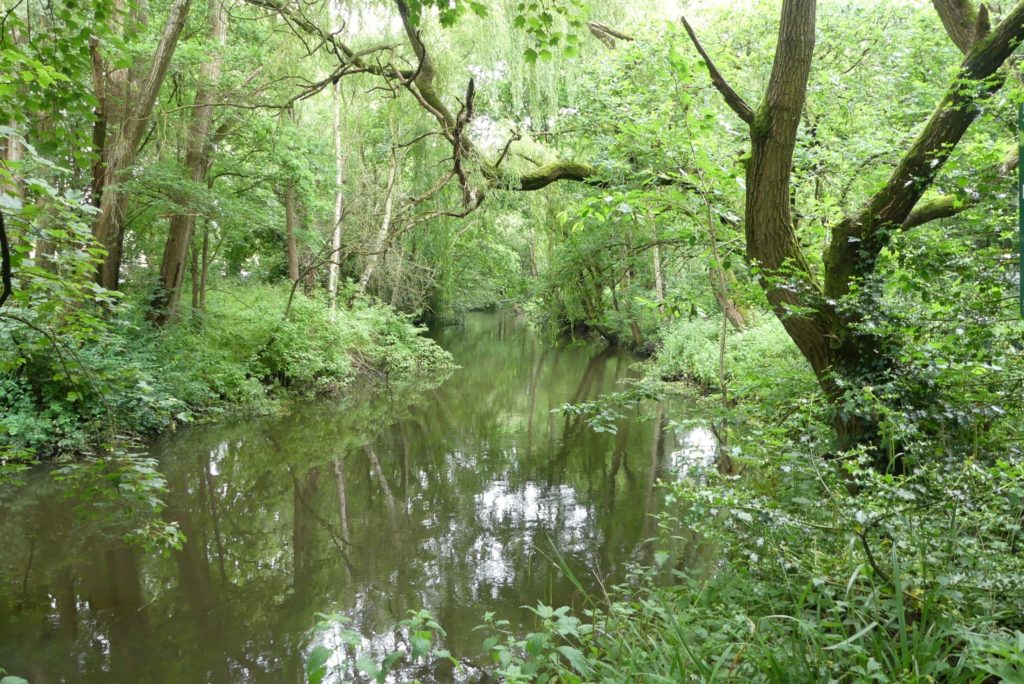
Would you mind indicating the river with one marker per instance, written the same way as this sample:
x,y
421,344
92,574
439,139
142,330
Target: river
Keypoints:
x,y
452,498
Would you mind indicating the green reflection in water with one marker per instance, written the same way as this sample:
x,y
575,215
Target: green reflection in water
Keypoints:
x,y
446,498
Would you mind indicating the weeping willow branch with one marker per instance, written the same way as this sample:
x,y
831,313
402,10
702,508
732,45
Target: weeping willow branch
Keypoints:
x,y
419,82
292,14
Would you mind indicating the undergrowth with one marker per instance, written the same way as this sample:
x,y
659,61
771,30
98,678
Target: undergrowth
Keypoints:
x,y
127,377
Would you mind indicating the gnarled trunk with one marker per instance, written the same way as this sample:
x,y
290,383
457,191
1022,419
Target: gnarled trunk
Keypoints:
x,y
829,338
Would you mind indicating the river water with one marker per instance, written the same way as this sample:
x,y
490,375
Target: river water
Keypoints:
x,y
452,498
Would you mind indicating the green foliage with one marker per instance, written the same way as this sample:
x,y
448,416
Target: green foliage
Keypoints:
x,y
824,569
341,652
549,654
11,679
13,462
123,490
761,361
241,355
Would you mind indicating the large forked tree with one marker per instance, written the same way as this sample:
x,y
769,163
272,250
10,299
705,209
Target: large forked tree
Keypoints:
x,y
826,332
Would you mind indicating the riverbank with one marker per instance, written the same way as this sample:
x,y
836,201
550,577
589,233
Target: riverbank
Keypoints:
x,y
814,567
125,378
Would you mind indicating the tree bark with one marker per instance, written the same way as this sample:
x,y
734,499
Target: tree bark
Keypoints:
x,y
385,225
122,147
339,202
194,269
204,268
720,288
962,21
172,270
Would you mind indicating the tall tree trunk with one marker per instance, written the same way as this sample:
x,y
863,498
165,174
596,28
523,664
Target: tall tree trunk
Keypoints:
x,y
339,179
309,281
11,156
339,202
172,270
122,147
204,266
385,225
194,269
659,274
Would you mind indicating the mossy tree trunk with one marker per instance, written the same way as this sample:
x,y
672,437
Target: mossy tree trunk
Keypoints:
x,y
121,146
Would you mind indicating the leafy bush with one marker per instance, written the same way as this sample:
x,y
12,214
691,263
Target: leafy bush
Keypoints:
x,y
759,360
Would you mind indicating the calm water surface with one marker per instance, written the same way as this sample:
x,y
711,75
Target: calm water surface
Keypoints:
x,y
447,498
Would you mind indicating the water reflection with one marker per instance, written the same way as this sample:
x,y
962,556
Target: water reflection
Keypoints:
x,y
446,497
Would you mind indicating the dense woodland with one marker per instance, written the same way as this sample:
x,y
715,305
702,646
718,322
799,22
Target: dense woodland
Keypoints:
x,y
800,215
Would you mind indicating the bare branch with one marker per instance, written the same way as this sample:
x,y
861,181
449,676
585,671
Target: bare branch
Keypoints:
x,y
516,135
606,34
732,98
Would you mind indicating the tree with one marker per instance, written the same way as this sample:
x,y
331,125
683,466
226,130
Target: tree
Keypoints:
x,y
818,314
197,162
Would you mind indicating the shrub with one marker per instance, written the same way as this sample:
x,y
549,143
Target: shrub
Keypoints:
x,y
761,361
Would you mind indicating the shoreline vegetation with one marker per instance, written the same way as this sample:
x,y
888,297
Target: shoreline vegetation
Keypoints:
x,y
240,356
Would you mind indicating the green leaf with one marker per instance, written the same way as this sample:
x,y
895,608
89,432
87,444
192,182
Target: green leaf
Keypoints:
x,y
420,643
535,643
316,664
575,658
369,666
